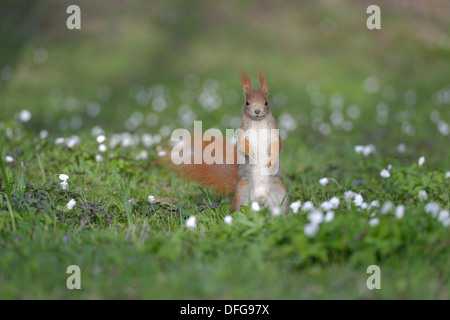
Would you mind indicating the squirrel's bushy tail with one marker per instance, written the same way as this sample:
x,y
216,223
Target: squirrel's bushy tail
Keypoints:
x,y
222,178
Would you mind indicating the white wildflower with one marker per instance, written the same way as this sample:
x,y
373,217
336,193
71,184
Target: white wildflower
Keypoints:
x,y
64,185
24,116
432,208
334,202
399,211
323,181
102,148
295,206
147,140
326,205
151,199
446,222
329,216
374,222
72,141
191,222
401,148
228,220
308,206
315,216
444,128
255,206
443,215
368,150
421,161
71,204
101,138
9,159
358,200
311,229
374,204
162,153
43,134
359,149
422,195
349,195
96,131
276,211
385,173
143,155
63,177
387,207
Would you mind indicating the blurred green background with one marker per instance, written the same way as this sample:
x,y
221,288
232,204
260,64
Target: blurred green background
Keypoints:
x,y
139,69
140,66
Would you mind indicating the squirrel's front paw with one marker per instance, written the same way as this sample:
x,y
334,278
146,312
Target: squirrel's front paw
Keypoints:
x,y
272,162
248,150
251,154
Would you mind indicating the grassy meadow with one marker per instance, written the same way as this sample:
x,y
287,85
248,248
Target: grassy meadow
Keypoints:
x,y
358,107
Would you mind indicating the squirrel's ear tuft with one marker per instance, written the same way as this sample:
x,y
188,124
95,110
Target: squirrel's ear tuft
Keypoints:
x,y
246,85
264,88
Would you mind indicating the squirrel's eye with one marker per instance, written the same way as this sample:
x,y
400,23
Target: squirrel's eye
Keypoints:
x,y
265,103
247,103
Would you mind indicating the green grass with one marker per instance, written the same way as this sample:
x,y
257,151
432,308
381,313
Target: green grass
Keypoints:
x,y
127,247
7,189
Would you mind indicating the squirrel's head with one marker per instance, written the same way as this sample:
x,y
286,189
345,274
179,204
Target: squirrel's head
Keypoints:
x,y
256,104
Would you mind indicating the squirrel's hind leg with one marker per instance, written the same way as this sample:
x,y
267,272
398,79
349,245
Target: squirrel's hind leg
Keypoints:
x,y
241,195
278,196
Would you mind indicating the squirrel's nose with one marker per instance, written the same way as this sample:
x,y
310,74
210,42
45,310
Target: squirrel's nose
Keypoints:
x,y
257,111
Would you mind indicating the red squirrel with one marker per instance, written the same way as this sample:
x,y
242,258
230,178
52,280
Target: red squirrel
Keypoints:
x,y
252,173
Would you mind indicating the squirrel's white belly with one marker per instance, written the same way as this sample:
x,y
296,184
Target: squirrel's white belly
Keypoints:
x,y
261,189
260,142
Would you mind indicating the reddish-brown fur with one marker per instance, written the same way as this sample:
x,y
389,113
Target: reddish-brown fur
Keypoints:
x,y
262,81
245,80
220,177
